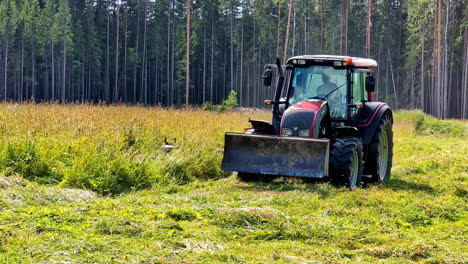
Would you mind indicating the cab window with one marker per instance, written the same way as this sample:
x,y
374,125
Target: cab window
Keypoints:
x,y
358,89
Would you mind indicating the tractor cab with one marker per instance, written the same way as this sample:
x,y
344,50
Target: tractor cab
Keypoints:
x,y
339,83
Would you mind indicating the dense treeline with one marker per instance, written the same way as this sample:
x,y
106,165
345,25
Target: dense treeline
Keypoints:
x,y
137,51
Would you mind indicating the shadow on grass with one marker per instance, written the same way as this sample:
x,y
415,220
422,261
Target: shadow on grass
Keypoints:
x,y
401,185
287,184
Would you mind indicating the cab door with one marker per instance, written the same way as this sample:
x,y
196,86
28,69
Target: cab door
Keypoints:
x,y
359,96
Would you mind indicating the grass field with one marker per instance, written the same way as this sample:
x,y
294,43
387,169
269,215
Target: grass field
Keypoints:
x,y
90,184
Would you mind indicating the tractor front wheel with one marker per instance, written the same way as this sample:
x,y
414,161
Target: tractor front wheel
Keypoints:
x,y
346,162
379,157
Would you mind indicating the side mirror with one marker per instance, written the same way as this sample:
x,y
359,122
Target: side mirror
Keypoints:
x,y
370,84
267,77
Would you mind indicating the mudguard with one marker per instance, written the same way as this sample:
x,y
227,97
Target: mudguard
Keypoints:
x,y
368,118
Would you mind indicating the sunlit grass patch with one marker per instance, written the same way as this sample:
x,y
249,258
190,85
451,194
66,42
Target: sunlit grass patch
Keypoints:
x,y
428,125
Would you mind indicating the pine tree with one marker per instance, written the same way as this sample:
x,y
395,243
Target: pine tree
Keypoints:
x,y
62,28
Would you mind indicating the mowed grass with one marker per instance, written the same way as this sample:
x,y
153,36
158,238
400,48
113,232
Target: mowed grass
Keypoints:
x,y
90,184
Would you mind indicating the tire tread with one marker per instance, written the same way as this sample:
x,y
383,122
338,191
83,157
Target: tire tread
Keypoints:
x,y
371,165
341,160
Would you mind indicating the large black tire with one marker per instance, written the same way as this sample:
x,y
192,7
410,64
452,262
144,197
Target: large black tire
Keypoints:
x,y
346,162
380,152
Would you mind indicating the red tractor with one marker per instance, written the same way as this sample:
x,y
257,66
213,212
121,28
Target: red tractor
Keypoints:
x,y
325,125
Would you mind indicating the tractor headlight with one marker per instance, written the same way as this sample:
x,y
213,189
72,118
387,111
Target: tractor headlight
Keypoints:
x,y
304,132
287,132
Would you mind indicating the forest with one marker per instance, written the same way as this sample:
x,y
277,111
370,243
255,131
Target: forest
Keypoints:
x,y
175,52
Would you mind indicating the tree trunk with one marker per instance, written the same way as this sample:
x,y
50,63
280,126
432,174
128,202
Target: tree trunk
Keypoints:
x,y
204,65
15,78
445,83
223,88
411,103
321,4
33,66
137,44
294,33
90,94
21,95
278,35
377,81
64,73
46,82
107,88
232,45
187,69
287,31
247,98
168,62
144,81
212,57
116,81
125,91
53,72
387,80
82,75
305,34
368,31
254,62
464,105
6,68
436,76
156,82
241,82
393,80
173,43
422,75
344,28
439,60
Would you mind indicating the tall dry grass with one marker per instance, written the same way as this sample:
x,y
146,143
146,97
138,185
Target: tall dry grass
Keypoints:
x,y
113,149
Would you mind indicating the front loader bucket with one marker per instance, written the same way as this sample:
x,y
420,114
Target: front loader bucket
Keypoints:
x,y
273,155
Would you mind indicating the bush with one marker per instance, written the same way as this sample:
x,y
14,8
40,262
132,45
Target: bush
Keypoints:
x,y
193,162
225,106
107,173
231,101
24,159
208,106
426,124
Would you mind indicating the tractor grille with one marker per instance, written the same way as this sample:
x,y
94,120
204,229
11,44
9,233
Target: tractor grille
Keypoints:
x,y
297,120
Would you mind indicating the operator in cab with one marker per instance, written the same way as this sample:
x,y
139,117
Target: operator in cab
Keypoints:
x,y
327,87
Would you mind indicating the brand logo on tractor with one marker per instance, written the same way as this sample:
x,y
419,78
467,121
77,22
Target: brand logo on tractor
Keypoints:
x,y
295,128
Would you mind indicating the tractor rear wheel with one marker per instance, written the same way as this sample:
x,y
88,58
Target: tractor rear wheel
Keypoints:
x,y
380,154
346,162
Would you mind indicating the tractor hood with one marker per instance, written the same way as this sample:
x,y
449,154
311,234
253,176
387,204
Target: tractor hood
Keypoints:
x,y
303,118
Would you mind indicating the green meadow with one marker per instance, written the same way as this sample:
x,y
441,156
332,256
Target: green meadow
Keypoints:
x,y
91,184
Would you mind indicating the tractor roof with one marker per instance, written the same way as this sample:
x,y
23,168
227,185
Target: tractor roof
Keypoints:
x,y
357,62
